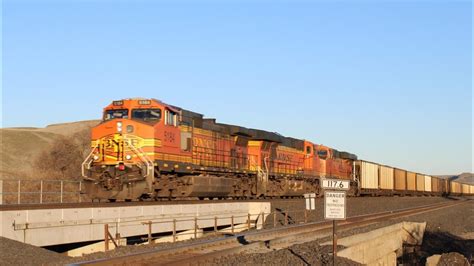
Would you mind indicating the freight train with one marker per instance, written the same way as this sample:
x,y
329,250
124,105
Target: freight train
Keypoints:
x,y
147,149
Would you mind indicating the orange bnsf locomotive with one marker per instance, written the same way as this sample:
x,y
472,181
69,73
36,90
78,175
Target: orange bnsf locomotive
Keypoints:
x,y
145,148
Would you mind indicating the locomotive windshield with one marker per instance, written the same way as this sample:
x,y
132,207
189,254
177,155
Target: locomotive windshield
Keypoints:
x,y
323,154
147,114
118,113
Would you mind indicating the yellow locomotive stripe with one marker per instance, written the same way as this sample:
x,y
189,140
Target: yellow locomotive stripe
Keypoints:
x,y
201,162
204,132
136,142
258,143
288,149
254,143
184,128
202,158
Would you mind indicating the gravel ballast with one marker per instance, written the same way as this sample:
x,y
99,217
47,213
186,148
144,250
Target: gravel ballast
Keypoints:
x,y
443,235
456,222
16,253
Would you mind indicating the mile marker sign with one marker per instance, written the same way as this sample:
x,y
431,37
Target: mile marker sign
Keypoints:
x,y
336,184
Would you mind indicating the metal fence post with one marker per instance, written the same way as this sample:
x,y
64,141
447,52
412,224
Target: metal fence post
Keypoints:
x,y
19,191
41,191
117,234
248,221
215,224
305,216
174,230
232,223
149,232
61,191
195,226
1,191
263,222
106,237
80,190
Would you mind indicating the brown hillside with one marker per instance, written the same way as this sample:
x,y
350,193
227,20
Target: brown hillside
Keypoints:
x,y
19,147
467,178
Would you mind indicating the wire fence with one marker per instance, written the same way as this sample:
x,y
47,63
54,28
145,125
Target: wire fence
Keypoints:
x,y
157,228
41,191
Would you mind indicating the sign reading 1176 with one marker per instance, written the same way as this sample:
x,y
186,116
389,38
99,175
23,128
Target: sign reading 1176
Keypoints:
x,y
336,184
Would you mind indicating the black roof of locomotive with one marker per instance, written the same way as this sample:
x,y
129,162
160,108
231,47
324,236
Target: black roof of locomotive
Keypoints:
x,y
197,120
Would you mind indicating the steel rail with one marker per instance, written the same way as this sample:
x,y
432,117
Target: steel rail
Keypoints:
x,y
19,207
201,251
57,205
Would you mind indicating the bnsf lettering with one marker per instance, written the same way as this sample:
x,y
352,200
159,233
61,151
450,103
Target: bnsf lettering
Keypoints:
x,y
111,143
135,142
204,143
284,157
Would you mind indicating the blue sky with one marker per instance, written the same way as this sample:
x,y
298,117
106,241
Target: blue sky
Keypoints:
x,y
389,81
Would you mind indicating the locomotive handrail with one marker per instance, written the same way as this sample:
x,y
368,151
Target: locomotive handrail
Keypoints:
x,y
87,162
143,158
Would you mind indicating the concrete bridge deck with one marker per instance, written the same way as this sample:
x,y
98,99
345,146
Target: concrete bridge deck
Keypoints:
x,y
46,227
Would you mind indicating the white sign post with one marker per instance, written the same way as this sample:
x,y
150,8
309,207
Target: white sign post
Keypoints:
x,y
335,206
310,201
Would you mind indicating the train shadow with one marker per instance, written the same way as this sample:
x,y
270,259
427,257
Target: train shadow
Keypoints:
x,y
444,242
281,218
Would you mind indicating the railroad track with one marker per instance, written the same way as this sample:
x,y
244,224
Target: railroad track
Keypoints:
x,y
37,206
257,241
17,207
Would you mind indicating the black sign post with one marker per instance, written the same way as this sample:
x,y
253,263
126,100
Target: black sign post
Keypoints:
x,y
334,242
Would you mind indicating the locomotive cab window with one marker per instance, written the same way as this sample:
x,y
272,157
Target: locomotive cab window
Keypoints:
x,y
322,154
308,150
118,113
171,118
153,115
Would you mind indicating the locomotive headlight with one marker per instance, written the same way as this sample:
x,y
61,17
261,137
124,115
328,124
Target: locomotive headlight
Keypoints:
x,y
129,129
119,126
96,157
128,157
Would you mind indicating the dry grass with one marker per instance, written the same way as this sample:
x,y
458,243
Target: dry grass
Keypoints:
x,y
21,147
51,154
